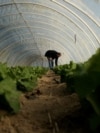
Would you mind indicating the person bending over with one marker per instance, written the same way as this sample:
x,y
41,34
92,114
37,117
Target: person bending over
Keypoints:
x,y
51,56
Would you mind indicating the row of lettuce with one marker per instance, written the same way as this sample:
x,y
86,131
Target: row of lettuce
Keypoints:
x,y
16,80
84,79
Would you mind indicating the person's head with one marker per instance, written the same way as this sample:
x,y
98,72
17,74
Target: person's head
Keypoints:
x,y
58,54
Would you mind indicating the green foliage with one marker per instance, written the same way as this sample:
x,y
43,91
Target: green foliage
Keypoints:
x,y
3,71
94,122
13,81
9,95
26,84
13,101
84,78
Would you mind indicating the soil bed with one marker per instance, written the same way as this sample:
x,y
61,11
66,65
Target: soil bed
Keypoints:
x,y
51,109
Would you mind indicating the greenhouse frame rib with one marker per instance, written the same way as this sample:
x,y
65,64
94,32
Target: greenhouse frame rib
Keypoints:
x,y
30,27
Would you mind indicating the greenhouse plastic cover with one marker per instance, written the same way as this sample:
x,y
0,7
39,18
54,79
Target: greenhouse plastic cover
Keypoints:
x,y
28,28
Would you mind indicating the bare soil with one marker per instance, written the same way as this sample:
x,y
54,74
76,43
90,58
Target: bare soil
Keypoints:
x,y
50,108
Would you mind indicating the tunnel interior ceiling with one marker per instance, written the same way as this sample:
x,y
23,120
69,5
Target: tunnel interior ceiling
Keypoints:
x,y
28,28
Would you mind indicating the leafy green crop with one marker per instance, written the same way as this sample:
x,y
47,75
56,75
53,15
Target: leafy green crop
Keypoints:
x,y
13,81
84,78
9,95
26,84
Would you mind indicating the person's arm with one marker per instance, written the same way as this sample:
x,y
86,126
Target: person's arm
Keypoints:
x,y
56,61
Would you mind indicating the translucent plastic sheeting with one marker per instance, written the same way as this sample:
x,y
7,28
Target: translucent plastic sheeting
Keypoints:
x,y
28,28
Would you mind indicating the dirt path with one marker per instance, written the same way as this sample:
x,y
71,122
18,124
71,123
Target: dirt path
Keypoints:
x,y
54,110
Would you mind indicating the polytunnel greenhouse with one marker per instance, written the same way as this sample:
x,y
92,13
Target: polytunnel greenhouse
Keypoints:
x,y
39,97
28,28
